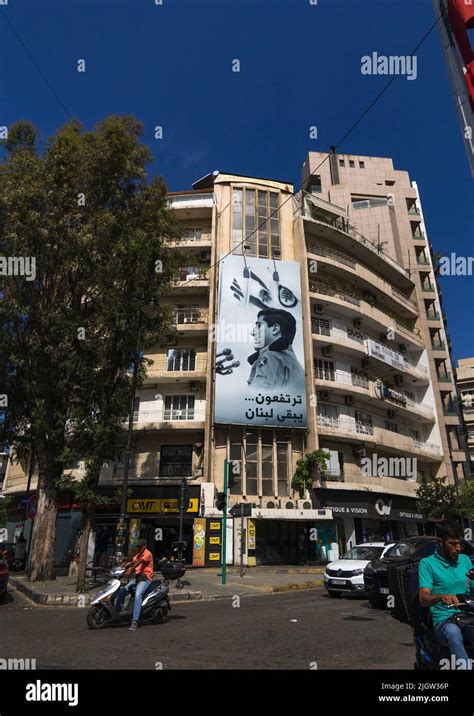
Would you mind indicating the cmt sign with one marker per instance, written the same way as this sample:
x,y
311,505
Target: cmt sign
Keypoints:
x,y
141,506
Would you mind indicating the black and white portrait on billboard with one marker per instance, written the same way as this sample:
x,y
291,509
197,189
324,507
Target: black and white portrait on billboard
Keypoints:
x,y
260,377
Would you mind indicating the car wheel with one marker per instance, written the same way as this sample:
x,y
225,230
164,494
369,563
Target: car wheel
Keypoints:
x,y
97,617
335,595
3,596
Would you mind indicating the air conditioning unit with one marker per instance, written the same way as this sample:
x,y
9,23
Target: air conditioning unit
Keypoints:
x,y
194,387
271,504
324,395
391,413
402,347
359,450
349,400
365,362
357,323
204,256
327,351
398,379
288,504
318,308
305,505
383,337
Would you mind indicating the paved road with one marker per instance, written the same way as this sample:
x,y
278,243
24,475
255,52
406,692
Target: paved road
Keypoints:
x,y
276,631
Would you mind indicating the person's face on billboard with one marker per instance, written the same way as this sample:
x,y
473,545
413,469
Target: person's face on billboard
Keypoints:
x,y
264,334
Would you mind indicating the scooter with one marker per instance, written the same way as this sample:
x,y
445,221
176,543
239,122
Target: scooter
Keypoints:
x,y
430,654
155,604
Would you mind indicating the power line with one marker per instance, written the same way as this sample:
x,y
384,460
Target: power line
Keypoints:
x,y
40,71
343,138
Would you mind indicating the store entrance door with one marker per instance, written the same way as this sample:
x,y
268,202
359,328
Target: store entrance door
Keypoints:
x,y
282,542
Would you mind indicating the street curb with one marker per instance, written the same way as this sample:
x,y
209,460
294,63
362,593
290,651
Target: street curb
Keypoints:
x,y
71,600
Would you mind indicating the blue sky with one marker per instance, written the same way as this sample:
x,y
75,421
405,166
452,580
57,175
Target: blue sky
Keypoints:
x,y
170,65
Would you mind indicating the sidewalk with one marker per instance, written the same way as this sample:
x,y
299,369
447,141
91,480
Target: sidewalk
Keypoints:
x,y
199,584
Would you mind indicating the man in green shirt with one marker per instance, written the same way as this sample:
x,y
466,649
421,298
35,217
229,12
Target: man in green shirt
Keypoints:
x,y
440,578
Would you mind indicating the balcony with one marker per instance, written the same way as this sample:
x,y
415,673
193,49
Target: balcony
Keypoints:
x,y
414,211
444,377
182,469
419,236
422,261
190,277
332,222
192,201
433,316
345,427
438,345
346,293
161,419
428,289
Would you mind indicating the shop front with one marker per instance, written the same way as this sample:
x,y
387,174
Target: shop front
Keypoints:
x,y
370,517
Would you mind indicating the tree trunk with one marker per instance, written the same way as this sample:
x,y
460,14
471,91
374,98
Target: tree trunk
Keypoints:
x,y
83,548
44,530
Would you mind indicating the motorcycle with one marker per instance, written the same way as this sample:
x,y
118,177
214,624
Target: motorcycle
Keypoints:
x,y
430,654
155,604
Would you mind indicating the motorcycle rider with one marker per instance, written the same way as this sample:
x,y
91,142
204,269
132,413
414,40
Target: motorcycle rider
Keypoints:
x,y
142,566
443,575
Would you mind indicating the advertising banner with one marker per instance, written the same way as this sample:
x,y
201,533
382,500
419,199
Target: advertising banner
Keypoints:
x,y
259,366
377,350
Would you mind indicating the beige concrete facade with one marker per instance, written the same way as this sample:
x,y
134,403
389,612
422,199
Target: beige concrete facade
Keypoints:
x,y
465,385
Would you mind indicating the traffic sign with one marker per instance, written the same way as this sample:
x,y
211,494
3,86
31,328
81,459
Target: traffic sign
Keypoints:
x,y
243,509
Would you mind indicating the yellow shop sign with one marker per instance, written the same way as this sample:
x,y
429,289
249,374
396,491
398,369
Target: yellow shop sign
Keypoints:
x,y
162,505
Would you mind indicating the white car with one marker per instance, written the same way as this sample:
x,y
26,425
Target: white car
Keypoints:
x,y
346,575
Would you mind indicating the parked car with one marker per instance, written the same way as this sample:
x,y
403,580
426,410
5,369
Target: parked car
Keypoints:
x,y
7,551
346,575
376,571
4,574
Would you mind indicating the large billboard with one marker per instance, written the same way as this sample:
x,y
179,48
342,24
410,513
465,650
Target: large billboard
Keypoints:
x,y
259,364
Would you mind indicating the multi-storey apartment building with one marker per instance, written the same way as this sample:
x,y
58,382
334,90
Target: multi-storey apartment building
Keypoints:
x,y
374,353
465,386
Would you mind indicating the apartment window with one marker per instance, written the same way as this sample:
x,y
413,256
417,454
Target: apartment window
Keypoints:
x,y
192,233
342,163
321,326
179,407
324,369
359,378
351,163
327,415
354,335
136,409
186,314
334,464
267,463
282,469
389,182
251,462
251,209
390,425
316,186
370,203
361,165
176,461
364,423
181,359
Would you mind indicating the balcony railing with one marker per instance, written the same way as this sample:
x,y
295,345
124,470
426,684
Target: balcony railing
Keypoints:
x,y
438,345
171,415
342,224
182,469
346,424
414,211
422,260
444,377
418,366
189,364
331,254
433,316
428,289
189,315
399,294
418,237
332,476
336,290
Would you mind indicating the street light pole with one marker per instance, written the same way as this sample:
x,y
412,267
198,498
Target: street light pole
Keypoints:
x,y
121,535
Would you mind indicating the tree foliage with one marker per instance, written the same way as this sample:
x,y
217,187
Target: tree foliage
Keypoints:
x,y
308,468
95,228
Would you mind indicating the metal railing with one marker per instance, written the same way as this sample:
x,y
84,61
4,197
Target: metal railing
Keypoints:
x,y
189,315
331,254
171,415
342,224
181,469
185,364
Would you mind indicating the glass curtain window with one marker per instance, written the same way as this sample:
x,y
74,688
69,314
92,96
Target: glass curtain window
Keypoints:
x,y
267,463
235,453
252,209
251,462
282,469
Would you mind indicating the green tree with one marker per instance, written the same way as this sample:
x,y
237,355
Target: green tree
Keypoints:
x,y
436,499
96,232
465,500
308,468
